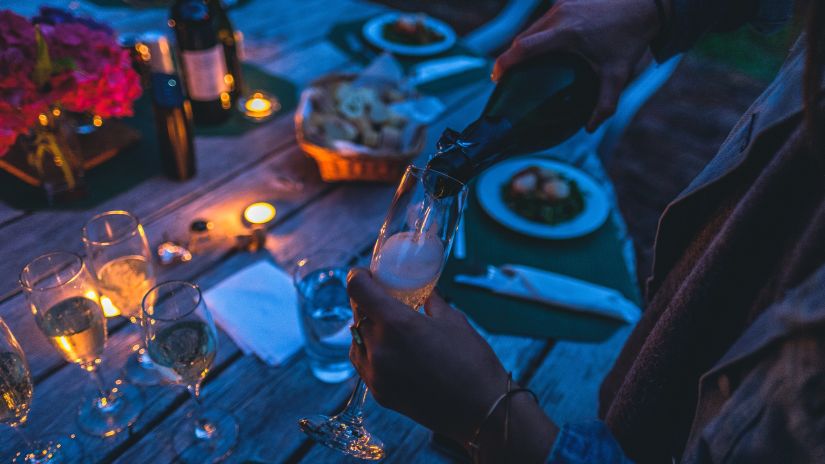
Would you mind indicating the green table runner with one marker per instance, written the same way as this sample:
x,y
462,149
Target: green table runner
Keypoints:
x,y
596,257
348,38
141,160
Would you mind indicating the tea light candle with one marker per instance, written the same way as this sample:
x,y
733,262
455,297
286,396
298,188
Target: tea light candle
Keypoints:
x,y
259,106
260,213
256,216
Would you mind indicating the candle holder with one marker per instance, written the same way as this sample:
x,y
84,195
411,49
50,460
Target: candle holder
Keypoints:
x,y
258,106
256,217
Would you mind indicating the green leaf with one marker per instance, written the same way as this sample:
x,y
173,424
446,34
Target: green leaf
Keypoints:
x,y
63,64
43,64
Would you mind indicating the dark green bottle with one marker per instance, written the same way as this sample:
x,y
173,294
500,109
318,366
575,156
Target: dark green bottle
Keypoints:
x,y
537,104
226,35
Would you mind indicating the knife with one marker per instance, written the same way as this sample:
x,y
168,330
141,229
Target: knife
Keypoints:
x,y
431,70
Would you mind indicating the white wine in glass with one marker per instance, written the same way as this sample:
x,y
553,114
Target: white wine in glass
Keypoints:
x,y
76,329
407,260
65,302
121,260
16,391
182,340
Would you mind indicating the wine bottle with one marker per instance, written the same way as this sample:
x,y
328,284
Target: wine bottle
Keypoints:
x,y
172,110
537,104
226,35
203,61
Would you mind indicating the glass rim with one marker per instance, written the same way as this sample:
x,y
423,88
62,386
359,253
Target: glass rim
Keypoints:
x,y
417,169
296,265
117,212
77,258
163,284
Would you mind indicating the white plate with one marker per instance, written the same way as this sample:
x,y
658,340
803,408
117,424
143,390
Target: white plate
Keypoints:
x,y
373,32
596,203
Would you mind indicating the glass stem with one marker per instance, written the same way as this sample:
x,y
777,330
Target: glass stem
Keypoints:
x,y
203,428
105,401
353,412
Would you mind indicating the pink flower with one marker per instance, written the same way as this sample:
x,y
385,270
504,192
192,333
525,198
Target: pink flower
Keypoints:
x,y
87,71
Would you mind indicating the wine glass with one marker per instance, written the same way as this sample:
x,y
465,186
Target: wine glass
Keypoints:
x,y
16,391
66,306
119,257
407,260
182,340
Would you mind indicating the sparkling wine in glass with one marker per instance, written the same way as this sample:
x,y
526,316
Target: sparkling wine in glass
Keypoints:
x,y
120,258
182,341
407,260
64,299
15,401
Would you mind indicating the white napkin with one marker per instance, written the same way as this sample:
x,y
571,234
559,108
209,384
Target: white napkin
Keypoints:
x,y
257,307
555,289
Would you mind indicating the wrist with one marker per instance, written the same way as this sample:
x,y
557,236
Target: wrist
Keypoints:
x,y
526,437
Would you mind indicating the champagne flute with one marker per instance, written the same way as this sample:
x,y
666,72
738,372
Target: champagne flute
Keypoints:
x,y
183,345
66,306
16,393
120,258
407,260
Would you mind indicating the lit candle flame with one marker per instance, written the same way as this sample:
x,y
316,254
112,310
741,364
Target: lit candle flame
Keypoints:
x,y
259,213
260,106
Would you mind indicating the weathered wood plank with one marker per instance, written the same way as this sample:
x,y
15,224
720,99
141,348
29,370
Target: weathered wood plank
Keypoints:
x,y
567,382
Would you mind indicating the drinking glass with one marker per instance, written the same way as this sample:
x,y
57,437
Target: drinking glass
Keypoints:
x,y
120,258
66,305
182,340
325,314
16,391
407,260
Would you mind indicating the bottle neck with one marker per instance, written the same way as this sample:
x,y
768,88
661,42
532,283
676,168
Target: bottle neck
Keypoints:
x,y
465,154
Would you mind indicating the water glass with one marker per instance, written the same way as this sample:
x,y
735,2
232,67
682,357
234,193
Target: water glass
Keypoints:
x,y
325,314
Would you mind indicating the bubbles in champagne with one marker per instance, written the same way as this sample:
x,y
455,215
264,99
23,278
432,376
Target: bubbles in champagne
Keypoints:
x,y
76,328
15,389
408,265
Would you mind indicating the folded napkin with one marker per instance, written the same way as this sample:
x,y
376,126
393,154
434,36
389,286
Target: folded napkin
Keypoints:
x,y
554,289
257,307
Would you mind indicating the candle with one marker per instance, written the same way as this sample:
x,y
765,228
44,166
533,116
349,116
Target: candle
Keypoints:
x,y
258,214
259,106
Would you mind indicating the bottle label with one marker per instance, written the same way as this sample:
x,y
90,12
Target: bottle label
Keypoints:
x,y
205,73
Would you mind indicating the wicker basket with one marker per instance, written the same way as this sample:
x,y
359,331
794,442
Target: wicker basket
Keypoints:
x,y
336,167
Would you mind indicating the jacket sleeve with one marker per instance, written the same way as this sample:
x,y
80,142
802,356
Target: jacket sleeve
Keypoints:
x,y
690,19
586,443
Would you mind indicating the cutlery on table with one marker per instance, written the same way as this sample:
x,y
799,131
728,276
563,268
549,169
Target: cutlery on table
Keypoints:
x,y
555,289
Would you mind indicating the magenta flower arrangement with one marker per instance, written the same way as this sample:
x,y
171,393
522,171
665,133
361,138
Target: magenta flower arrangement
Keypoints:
x,y
60,60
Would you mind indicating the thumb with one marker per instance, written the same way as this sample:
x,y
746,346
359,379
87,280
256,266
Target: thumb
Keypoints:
x,y
526,47
437,308
609,92
368,298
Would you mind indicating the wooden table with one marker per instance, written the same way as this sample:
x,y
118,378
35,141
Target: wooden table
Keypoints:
x,y
285,37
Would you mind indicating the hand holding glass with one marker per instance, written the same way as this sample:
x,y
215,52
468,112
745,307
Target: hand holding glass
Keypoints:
x,y
407,260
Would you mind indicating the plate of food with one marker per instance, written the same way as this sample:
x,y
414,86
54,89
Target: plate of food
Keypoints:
x,y
409,34
543,198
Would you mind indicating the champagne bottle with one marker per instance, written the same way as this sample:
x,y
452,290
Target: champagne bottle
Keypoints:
x,y
226,35
203,61
172,110
538,104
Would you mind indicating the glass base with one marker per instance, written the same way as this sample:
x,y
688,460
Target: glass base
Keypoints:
x,y
207,438
348,437
140,370
115,417
54,449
